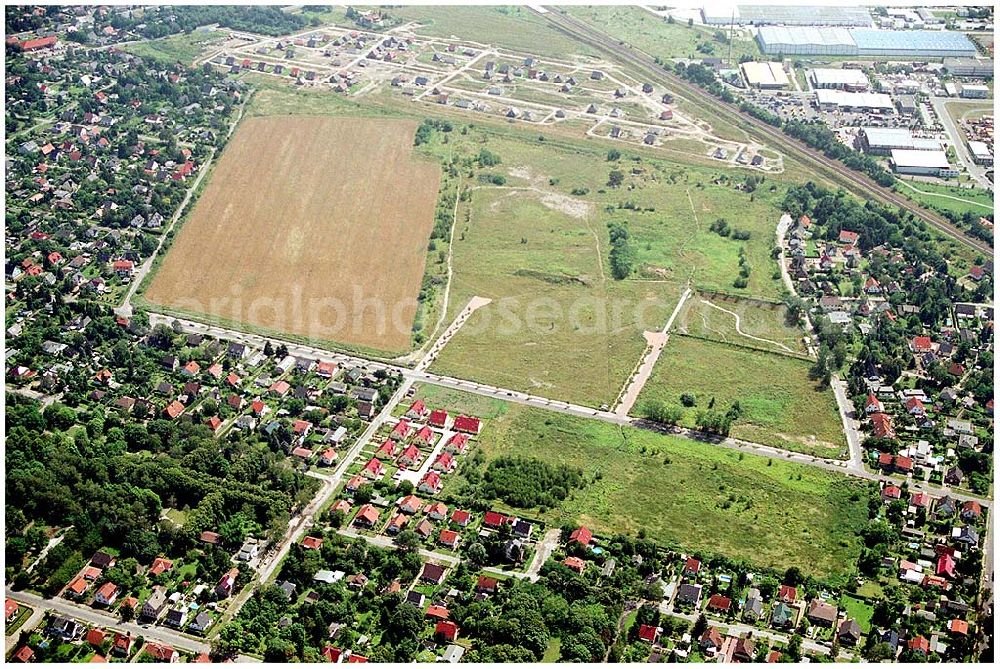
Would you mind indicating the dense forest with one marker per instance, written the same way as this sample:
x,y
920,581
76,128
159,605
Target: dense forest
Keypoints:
x,y
111,481
262,19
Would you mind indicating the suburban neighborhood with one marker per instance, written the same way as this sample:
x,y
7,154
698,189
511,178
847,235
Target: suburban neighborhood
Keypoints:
x,y
499,334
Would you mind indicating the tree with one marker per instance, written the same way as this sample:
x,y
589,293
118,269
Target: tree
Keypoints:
x,y
794,649
408,541
793,576
616,178
476,554
59,416
622,254
700,625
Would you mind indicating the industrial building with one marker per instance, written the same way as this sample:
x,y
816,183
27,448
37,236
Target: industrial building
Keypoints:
x,y
922,163
968,67
789,15
980,153
926,43
828,100
882,141
765,75
832,41
907,105
841,80
975,91
806,41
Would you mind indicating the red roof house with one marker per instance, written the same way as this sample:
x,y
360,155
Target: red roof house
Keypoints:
x,y
582,536
438,418
447,630
468,424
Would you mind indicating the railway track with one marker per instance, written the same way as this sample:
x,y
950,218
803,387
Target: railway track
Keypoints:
x,y
850,180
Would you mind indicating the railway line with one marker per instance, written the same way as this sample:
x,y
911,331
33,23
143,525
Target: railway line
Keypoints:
x,y
850,180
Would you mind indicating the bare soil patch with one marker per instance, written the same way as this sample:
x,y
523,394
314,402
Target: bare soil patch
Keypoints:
x,y
311,226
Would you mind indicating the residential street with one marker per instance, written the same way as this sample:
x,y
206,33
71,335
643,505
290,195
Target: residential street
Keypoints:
x,y
97,617
535,401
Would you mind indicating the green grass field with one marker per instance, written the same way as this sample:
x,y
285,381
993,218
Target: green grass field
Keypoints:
x,y
781,404
559,324
517,28
552,327
978,201
654,35
457,402
703,316
688,494
858,609
182,48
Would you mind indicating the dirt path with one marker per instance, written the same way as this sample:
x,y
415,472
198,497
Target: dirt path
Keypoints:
x,y
655,341
947,197
542,552
741,332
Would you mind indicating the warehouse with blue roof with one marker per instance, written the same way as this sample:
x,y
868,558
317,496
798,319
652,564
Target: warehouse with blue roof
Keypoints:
x,y
806,41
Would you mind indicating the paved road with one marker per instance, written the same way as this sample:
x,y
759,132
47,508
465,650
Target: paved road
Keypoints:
x,y
518,397
977,172
846,409
737,628
301,522
543,549
126,307
99,618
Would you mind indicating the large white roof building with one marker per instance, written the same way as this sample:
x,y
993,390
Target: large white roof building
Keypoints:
x,y
801,40
846,80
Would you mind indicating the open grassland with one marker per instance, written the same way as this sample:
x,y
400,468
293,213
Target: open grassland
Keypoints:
x,y
978,201
517,28
181,48
761,325
687,494
782,406
458,402
654,35
552,327
543,235
315,227
559,324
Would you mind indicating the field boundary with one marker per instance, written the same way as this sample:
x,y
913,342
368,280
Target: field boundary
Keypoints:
x,y
799,356
242,326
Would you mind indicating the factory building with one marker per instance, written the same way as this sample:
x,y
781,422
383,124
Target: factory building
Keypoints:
x,y
907,105
922,163
788,15
828,100
975,91
842,80
882,141
980,153
832,41
806,41
765,75
905,43
968,67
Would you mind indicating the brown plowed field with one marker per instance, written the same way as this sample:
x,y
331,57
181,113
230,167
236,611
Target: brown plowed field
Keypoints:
x,y
310,226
